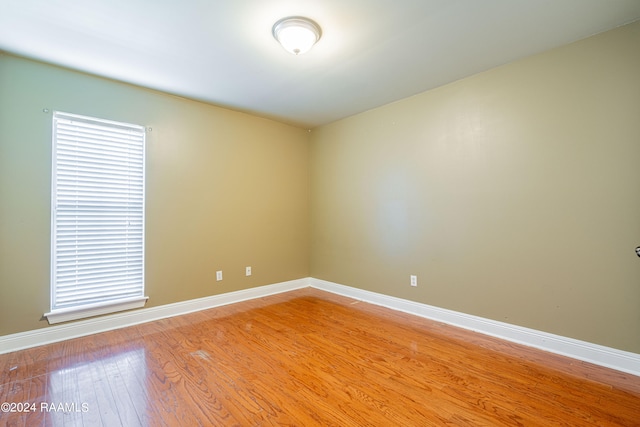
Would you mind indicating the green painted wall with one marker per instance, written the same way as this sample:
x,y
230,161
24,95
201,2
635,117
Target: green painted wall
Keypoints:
x,y
224,190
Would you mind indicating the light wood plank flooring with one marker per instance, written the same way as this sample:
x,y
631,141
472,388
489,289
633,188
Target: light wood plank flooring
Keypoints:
x,y
307,358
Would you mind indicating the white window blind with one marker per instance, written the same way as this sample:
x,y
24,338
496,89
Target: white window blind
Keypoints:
x,y
97,217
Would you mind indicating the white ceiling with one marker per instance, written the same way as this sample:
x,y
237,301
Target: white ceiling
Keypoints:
x,y
372,52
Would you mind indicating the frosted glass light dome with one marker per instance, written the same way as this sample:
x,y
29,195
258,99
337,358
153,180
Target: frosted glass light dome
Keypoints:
x,y
296,34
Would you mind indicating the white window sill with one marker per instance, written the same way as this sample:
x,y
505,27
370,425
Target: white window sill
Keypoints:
x,y
75,313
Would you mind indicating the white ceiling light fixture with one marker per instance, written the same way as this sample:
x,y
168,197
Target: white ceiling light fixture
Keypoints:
x,y
296,34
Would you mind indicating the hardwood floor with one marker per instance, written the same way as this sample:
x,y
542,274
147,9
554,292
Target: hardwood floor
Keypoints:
x,y
306,358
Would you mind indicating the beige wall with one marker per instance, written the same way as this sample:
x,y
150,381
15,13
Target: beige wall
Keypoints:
x,y
224,190
513,194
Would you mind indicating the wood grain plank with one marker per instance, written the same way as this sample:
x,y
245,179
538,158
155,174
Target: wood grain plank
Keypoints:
x,y
315,359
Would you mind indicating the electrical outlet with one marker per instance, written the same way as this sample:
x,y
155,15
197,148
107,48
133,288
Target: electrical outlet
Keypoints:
x,y
414,280
219,275
247,271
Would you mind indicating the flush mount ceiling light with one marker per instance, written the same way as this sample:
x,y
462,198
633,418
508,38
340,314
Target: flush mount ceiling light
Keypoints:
x,y
296,34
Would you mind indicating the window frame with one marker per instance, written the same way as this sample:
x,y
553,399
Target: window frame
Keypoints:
x,y
93,145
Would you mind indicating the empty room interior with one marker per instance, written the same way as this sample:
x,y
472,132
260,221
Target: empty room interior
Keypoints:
x,y
431,217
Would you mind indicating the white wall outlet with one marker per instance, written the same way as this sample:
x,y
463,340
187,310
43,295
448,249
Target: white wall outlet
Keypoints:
x,y
219,275
414,280
247,271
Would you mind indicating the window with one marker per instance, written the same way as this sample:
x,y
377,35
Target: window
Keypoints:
x,y
97,248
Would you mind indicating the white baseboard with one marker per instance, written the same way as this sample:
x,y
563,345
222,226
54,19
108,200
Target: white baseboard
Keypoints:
x,y
22,340
580,350
597,354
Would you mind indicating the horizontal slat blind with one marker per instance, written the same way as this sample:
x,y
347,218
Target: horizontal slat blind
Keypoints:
x,y
98,211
